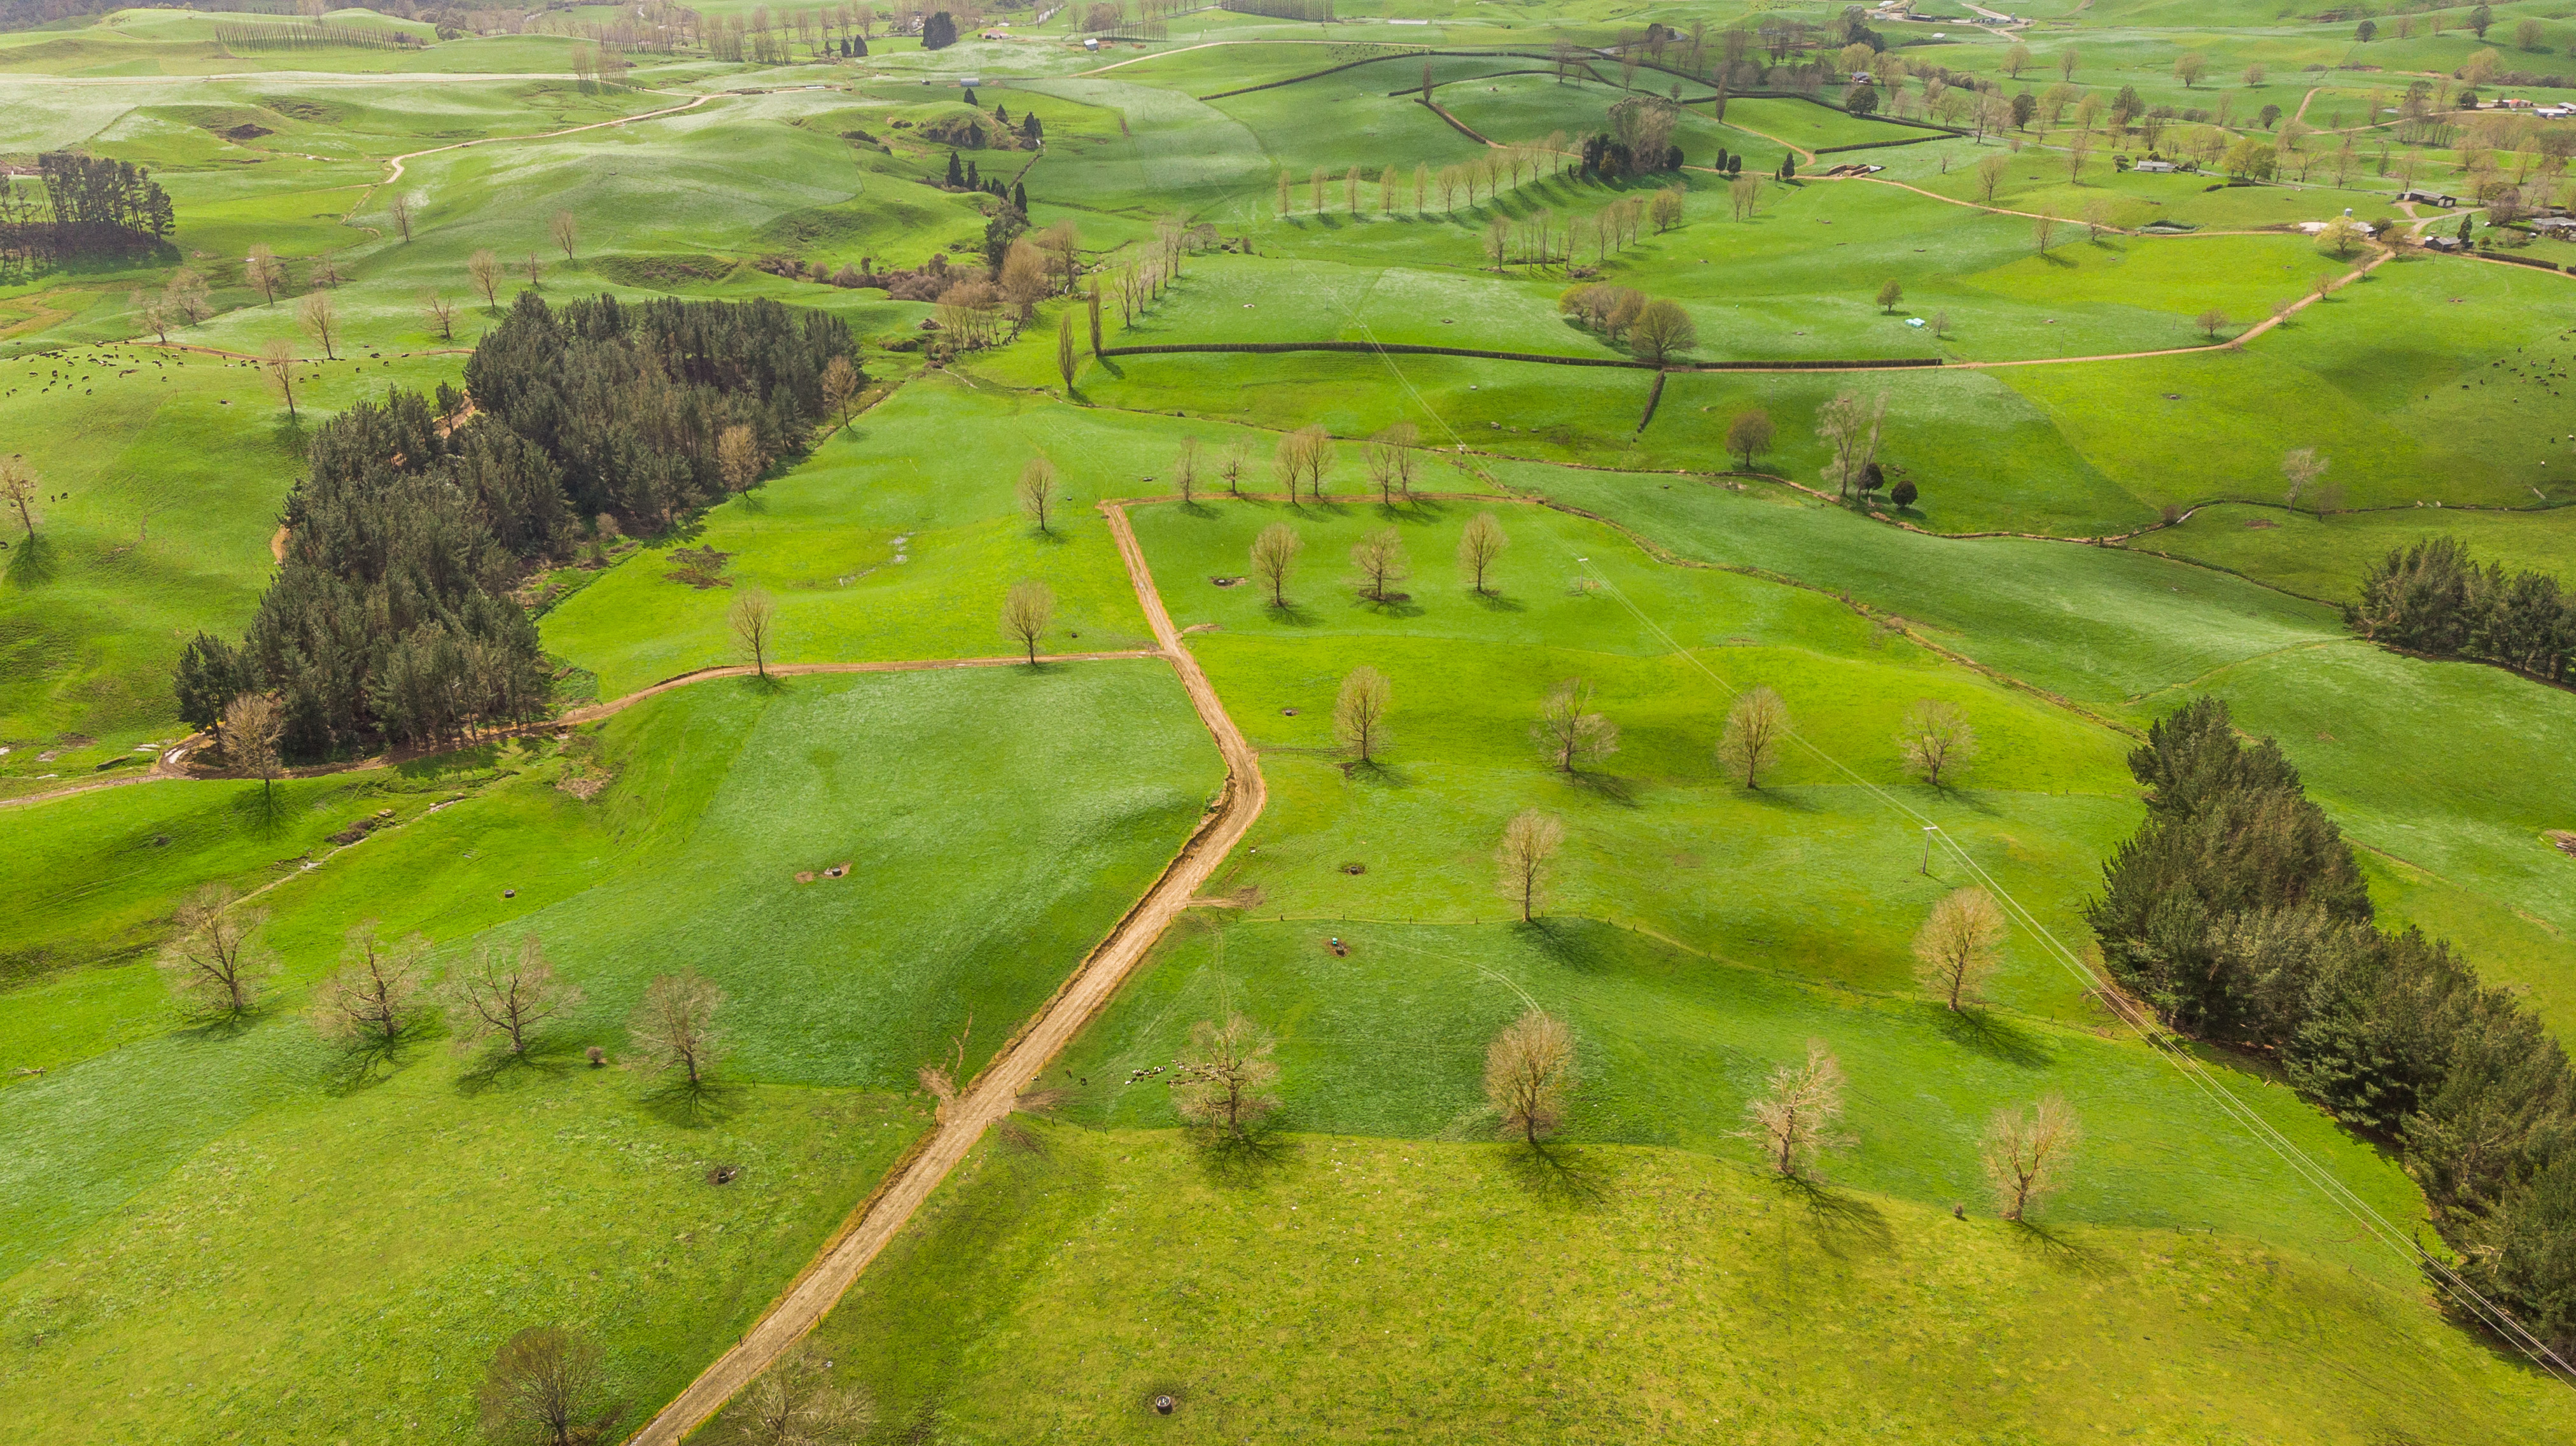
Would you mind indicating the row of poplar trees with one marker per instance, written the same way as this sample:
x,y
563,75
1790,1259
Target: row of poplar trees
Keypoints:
x,y
390,618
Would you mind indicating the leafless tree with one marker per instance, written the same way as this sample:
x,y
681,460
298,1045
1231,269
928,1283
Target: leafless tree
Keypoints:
x,y
674,1027
441,313
485,268
1570,730
1390,461
1794,1122
1382,563
1227,1080
546,1386
186,297
1288,461
2302,468
738,459
1274,556
1748,436
370,1000
277,358
18,488
1027,613
1315,457
840,388
535,267
1359,712
1480,546
565,233
320,320
1960,945
1238,455
215,961
1185,469
2043,233
399,210
1526,858
264,271
252,722
1849,429
1937,740
325,270
754,620
1757,727
2025,1152
1990,174
1038,491
2211,322
1529,1070
794,1403
505,996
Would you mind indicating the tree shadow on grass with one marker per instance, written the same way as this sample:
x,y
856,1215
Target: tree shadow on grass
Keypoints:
x,y
1376,771
1608,787
365,1065
1567,1176
1570,943
1844,1223
693,1106
2064,1252
1494,602
1784,801
1292,613
480,758
1050,535
1252,1159
495,1067
33,560
1995,1037
1393,605
766,685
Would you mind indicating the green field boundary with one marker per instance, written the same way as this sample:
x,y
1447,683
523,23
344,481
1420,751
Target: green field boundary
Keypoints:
x,y
1272,348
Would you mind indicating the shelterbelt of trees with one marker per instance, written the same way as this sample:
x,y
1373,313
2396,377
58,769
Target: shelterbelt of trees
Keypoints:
x,y
391,620
2239,912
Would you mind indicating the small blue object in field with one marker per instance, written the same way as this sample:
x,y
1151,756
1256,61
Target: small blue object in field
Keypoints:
x,y
1913,321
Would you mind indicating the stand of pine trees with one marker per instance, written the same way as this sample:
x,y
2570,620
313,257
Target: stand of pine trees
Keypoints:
x,y
2433,598
79,205
2237,910
391,617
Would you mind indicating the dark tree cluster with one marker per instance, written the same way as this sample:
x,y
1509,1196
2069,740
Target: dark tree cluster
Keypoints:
x,y
2433,598
391,617
79,205
631,401
2238,911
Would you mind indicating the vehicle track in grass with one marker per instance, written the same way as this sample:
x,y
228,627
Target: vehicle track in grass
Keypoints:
x,y
996,1091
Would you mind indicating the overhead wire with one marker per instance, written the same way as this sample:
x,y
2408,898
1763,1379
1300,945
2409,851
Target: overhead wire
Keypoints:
x,y
2494,1317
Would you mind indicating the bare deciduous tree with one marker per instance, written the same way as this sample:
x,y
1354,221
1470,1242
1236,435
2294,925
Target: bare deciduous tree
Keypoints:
x,y
535,267
400,210
1960,945
1315,458
277,358
1526,857
320,320
1274,556
1038,491
1570,730
840,388
1480,546
1185,469
548,1386
1390,461
440,312
1756,728
1359,711
2302,468
18,489
1794,1121
1529,1070
485,268
794,1403
504,995
2024,1152
215,960
252,722
265,272
754,620
1027,613
2211,322
565,232
674,1028
1382,563
1849,429
738,459
1227,1081
369,1001
1937,741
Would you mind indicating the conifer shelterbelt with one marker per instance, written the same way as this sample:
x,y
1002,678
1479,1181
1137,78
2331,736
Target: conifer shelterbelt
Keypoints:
x,y
390,619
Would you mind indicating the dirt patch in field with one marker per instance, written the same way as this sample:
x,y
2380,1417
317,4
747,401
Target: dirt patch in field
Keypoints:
x,y
2562,840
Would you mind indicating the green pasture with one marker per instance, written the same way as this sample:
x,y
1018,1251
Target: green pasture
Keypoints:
x,y
147,1131
1345,1288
